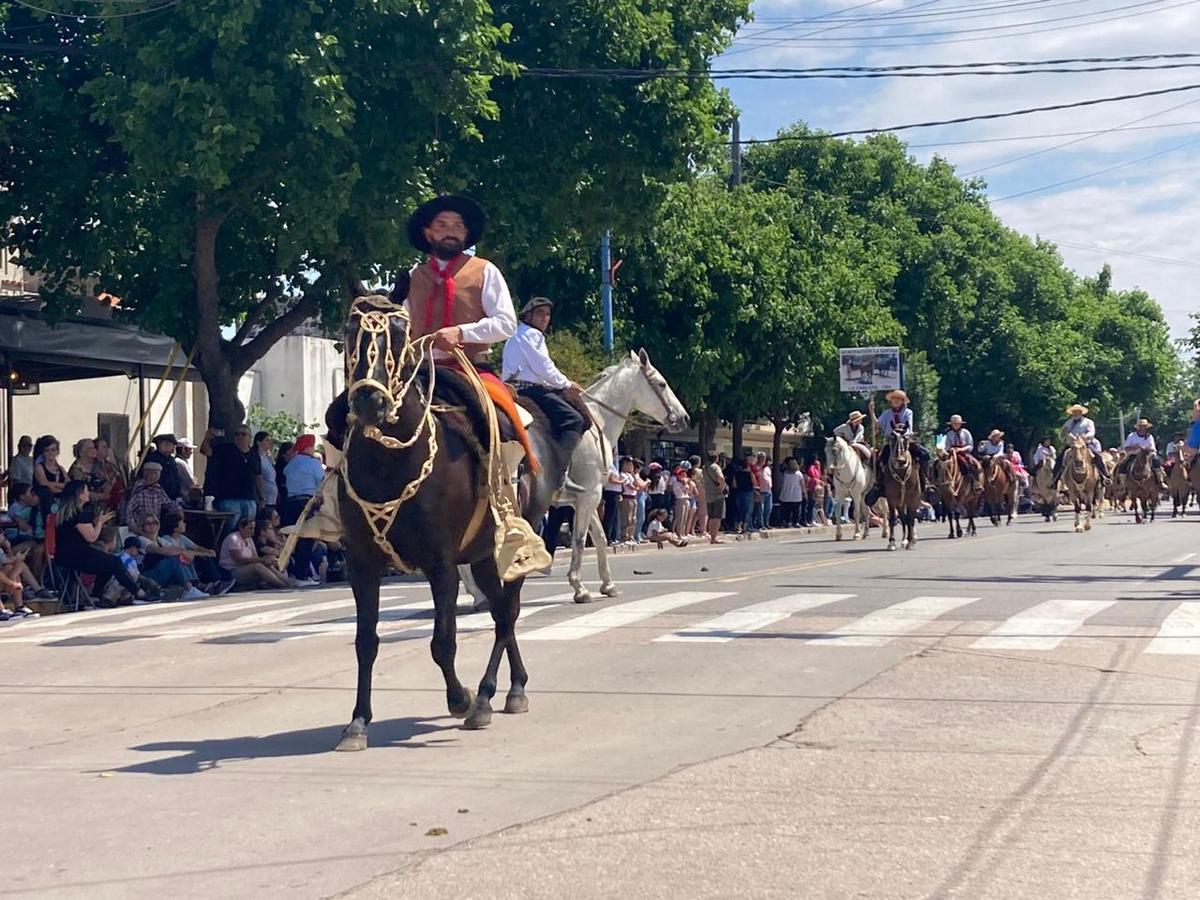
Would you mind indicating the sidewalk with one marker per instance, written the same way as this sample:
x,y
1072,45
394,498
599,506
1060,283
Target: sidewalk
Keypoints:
x,y
957,773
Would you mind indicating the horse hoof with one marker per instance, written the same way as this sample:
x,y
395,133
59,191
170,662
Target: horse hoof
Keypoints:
x,y
515,704
354,737
480,717
461,710
609,590
891,546
585,597
838,536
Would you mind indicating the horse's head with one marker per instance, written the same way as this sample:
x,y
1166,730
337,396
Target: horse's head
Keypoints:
x,y
835,449
377,352
1080,454
653,396
1140,467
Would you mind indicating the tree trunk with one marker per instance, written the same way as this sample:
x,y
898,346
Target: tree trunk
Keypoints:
x,y
736,424
706,431
777,441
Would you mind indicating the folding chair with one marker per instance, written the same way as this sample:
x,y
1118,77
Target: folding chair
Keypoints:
x,y
65,582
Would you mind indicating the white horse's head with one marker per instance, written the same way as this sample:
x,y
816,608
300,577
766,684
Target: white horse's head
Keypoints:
x,y
634,384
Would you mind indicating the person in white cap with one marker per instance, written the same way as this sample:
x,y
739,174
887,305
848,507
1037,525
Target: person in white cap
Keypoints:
x,y
852,432
1079,425
184,449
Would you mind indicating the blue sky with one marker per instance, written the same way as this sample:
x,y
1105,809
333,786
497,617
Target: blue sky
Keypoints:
x,y
1140,216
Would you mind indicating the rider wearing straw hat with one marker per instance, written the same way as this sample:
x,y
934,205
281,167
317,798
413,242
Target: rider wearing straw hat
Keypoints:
x,y
900,415
994,445
1141,439
1079,425
851,431
960,442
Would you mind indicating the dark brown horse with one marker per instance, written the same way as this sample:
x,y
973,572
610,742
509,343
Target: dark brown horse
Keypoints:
x,y
999,489
902,488
1141,485
414,496
957,493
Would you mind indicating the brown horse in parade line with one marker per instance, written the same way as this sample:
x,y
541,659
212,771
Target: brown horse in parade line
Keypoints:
x,y
902,488
1142,487
999,489
1080,480
957,494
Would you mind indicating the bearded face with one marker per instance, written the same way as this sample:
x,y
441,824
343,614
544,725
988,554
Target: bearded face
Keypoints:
x,y
447,235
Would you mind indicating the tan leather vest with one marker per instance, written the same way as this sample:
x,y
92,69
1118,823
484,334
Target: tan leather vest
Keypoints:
x,y
425,296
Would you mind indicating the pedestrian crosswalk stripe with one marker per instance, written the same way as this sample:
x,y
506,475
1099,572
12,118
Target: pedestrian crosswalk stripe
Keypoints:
x,y
1180,632
739,622
276,616
884,625
626,614
1042,627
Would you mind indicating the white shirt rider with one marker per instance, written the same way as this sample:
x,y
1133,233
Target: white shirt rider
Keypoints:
x,y
959,439
1044,453
526,359
890,418
1137,441
1082,427
992,448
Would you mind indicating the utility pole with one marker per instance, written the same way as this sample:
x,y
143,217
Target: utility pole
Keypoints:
x,y
606,289
735,149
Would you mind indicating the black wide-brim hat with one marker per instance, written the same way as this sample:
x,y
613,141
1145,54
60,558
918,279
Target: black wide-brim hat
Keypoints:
x,y
471,212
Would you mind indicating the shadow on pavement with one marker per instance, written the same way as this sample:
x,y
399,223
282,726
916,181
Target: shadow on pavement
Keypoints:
x,y
200,756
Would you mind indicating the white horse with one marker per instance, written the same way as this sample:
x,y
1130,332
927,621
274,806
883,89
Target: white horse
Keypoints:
x,y
851,479
633,384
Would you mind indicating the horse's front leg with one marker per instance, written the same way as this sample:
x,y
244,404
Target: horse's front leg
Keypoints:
x,y
364,582
837,513
488,576
596,530
893,518
443,582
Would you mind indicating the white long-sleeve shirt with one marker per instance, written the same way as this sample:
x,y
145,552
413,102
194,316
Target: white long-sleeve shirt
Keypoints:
x,y
1044,454
992,448
1137,441
500,317
526,359
1084,428
961,438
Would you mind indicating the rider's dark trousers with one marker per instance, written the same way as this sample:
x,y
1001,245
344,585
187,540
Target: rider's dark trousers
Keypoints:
x,y
562,415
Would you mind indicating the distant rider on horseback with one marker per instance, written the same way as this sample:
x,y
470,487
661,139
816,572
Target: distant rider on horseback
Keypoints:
x,y
528,367
994,445
900,415
1141,439
961,442
1079,425
851,431
1044,453
1174,451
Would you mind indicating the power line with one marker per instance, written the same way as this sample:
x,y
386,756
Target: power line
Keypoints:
x,y
976,118
1104,171
823,30
1052,134
800,75
945,13
1096,248
99,16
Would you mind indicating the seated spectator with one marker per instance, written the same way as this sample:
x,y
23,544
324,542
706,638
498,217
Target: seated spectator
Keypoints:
x,y
15,560
148,499
169,565
204,561
27,529
241,559
86,468
267,539
129,557
164,454
12,588
115,481
20,467
657,532
78,527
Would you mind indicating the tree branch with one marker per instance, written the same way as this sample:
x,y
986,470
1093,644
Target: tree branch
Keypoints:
x,y
257,311
247,354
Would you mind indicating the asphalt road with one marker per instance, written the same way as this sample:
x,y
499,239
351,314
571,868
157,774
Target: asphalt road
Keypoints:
x,y
1006,716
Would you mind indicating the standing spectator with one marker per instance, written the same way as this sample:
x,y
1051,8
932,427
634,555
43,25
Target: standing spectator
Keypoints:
x,y
20,467
612,506
820,489
730,468
681,502
115,481
240,558
283,456
184,451
628,501
743,496
148,500
303,476
656,494
766,486
86,468
232,476
164,454
78,527
791,494
49,478
715,492
812,476
700,496
270,489
756,512
643,486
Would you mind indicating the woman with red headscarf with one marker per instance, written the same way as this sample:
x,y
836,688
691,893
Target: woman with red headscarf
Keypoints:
x,y
303,477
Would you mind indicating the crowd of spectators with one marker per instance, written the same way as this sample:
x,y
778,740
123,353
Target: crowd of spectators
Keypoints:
x,y
658,502
156,533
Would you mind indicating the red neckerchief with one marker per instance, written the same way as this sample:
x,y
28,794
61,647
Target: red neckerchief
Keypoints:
x,y
444,277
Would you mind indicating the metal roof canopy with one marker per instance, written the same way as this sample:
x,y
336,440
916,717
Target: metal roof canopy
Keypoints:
x,y
76,349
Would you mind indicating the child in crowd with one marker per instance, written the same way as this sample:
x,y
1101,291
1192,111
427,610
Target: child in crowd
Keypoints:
x,y
11,587
130,557
657,531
